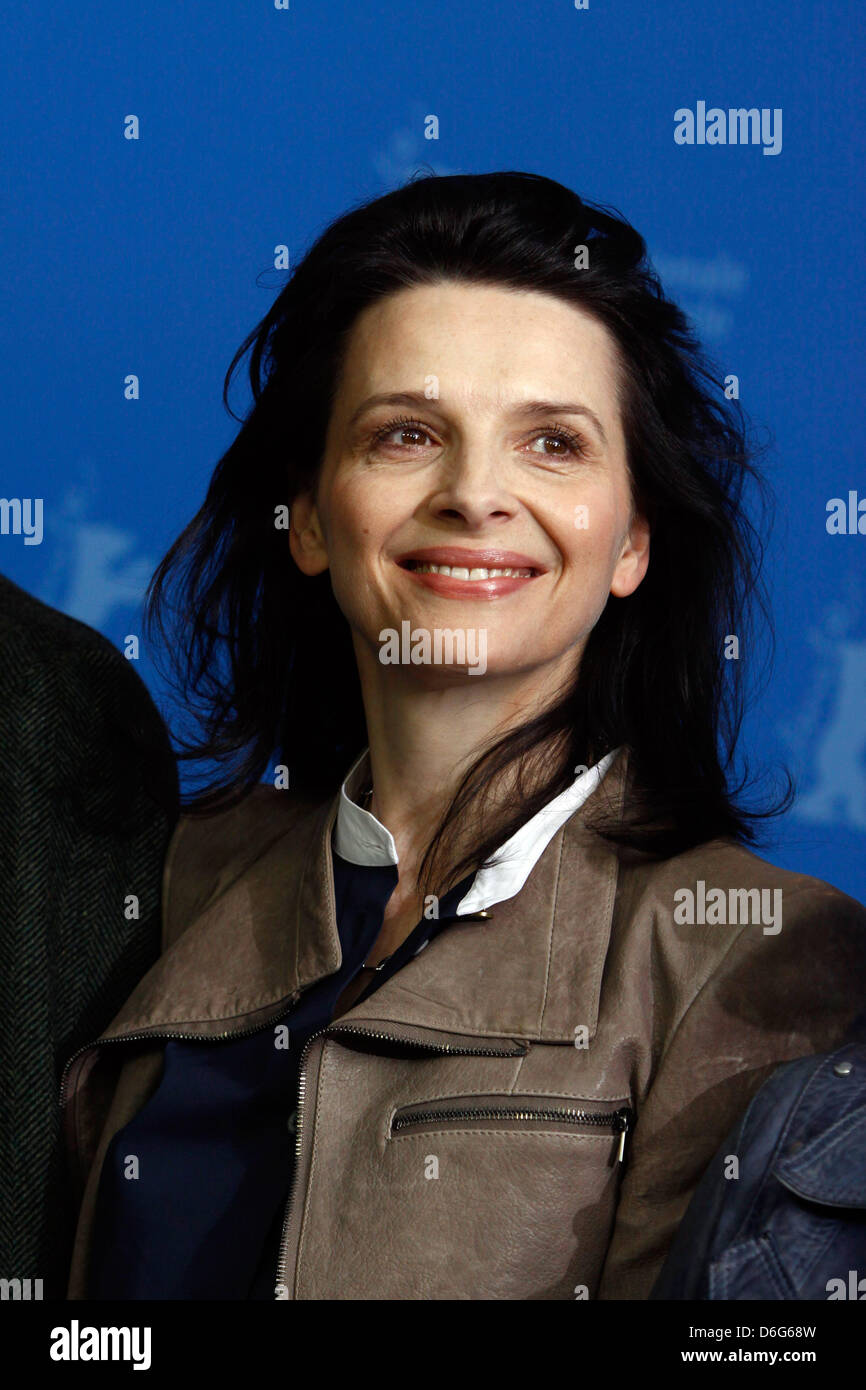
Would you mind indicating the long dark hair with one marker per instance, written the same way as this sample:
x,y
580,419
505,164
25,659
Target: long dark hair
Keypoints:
x,y
262,654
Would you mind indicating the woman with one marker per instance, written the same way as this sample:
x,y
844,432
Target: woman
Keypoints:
x,y
460,1002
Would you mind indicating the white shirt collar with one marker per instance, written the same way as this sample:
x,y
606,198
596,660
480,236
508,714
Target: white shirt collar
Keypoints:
x,y
361,839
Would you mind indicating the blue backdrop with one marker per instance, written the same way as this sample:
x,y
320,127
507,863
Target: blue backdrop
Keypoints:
x,y
259,123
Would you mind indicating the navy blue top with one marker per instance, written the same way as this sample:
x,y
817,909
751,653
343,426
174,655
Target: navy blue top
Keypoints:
x,y
193,1190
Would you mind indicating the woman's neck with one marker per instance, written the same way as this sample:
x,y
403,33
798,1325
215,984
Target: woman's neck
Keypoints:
x,y
423,740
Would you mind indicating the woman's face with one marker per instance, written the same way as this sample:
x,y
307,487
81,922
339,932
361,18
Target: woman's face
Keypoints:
x,y
475,428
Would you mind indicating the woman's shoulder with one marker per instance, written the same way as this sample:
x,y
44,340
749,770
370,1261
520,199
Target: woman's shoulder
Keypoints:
x,y
208,853
719,904
725,865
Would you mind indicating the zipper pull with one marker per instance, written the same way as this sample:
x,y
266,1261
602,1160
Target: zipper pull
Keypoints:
x,y
622,1120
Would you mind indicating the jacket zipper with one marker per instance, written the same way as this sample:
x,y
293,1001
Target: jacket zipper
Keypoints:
x,y
170,1036
619,1120
334,1030
180,1037
622,1116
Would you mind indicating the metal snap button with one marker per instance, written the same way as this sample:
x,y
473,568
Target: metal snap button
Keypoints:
x,y
843,1068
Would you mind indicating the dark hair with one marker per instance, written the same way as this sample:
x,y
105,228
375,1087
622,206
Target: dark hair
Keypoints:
x,y
263,654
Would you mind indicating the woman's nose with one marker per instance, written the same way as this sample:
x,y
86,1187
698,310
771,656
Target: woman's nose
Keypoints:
x,y
470,488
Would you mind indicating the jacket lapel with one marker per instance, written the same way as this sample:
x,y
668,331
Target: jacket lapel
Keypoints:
x,y
533,970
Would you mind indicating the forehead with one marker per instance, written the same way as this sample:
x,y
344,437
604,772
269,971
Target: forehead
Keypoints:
x,y
484,344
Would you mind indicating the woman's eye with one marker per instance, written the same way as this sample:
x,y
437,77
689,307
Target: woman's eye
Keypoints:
x,y
403,431
567,443
405,434
408,434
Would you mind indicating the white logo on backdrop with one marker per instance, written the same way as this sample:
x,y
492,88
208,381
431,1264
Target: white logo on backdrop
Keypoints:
x,y
828,732
706,288
96,567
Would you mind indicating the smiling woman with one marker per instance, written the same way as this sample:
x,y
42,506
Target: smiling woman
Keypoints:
x,y
428,1025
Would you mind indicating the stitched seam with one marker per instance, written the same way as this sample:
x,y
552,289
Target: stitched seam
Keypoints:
x,y
562,1096
551,925
711,976
511,1134
516,1077
612,873
604,943
309,1185
841,1132
781,1139
329,888
833,1195
506,1095
771,1255
157,1030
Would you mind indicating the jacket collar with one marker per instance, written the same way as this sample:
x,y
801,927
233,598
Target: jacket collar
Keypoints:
x,y
532,971
361,839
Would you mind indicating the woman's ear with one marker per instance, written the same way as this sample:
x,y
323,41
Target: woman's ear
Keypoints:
x,y
634,558
306,539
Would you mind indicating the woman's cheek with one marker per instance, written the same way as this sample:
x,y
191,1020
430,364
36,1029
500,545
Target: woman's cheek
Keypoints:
x,y
355,589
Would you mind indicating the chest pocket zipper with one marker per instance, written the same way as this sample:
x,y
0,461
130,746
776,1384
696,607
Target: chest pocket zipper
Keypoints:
x,y
510,1112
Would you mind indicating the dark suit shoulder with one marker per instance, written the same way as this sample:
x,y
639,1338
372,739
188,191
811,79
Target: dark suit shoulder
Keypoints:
x,y
32,632
74,707
52,664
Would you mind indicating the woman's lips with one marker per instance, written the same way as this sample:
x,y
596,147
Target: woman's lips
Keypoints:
x,y
484,575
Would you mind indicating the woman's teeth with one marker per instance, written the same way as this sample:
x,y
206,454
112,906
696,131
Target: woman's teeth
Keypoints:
x,y
461,572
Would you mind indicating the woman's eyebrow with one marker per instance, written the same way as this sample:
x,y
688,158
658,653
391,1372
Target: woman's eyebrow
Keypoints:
x,y
408,398
526,408
560,408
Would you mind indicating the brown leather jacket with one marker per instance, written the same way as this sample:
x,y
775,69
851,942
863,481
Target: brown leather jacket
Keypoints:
x,y
457,1133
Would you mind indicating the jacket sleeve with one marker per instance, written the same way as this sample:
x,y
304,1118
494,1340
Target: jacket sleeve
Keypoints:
x,y
769,999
